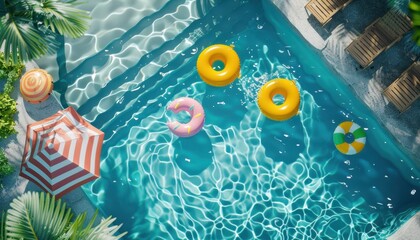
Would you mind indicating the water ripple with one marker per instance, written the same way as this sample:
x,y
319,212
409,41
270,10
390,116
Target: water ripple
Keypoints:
x,y
243,176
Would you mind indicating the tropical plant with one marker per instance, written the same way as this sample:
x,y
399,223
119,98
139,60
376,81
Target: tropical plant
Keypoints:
x,y
7,111
40,216
5,167
414,7
30,28
10,72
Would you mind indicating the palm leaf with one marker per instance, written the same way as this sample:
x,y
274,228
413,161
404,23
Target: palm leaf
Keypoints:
x,y
2,8
62,17
3,226
37,216
103,230
21,40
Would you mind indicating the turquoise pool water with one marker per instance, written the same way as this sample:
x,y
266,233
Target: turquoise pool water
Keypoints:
x,y
243,176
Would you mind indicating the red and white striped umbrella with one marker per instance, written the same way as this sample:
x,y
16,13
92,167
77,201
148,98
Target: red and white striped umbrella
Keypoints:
x,y
62,152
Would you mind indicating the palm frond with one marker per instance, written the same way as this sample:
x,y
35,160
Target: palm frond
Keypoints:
x,y
21,40
37,216
62,17
3,225
2,8
103,230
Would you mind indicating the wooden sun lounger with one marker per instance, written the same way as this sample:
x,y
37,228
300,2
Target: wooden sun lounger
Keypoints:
x,y
406,89
323,10
379,36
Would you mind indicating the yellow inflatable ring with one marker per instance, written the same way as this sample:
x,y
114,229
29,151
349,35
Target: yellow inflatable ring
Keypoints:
x,y
222,53
290,106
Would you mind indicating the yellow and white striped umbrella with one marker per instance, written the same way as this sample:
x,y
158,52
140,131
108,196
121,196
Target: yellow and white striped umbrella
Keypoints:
x,y
36,85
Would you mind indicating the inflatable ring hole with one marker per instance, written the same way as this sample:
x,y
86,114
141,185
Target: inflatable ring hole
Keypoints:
x,y
349,137
218,65
278,99
182,117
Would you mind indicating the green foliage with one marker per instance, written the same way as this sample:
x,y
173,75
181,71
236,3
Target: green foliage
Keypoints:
x,y
30,27
39,216
10,72
5,167
104,230
414,7
2,224
7,111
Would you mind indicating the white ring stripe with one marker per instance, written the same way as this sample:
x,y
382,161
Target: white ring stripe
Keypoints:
x,y
339,129
354,127
361,140
351,150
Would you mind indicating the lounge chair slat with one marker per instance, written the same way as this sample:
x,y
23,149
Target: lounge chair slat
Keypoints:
x,y
323,10
379,36
374,42
395,96
396,100
406,89
405,93
409,89
357,53
327,5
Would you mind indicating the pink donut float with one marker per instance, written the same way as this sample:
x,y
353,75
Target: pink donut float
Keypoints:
x,y
196,112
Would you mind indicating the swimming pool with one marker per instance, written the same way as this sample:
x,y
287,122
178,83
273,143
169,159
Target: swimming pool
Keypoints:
x,y
243,176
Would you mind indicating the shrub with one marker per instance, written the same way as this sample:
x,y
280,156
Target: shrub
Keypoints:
x,y
9,72
7,111
5,167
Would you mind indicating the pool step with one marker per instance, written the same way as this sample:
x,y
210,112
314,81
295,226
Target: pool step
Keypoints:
x,y
100,58
147,98
117,90
123,52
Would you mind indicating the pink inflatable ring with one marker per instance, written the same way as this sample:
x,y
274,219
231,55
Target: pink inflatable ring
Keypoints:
x,y
196,112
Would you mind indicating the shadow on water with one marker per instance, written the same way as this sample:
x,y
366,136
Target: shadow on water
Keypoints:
x,y
194,154
222,102
283,141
